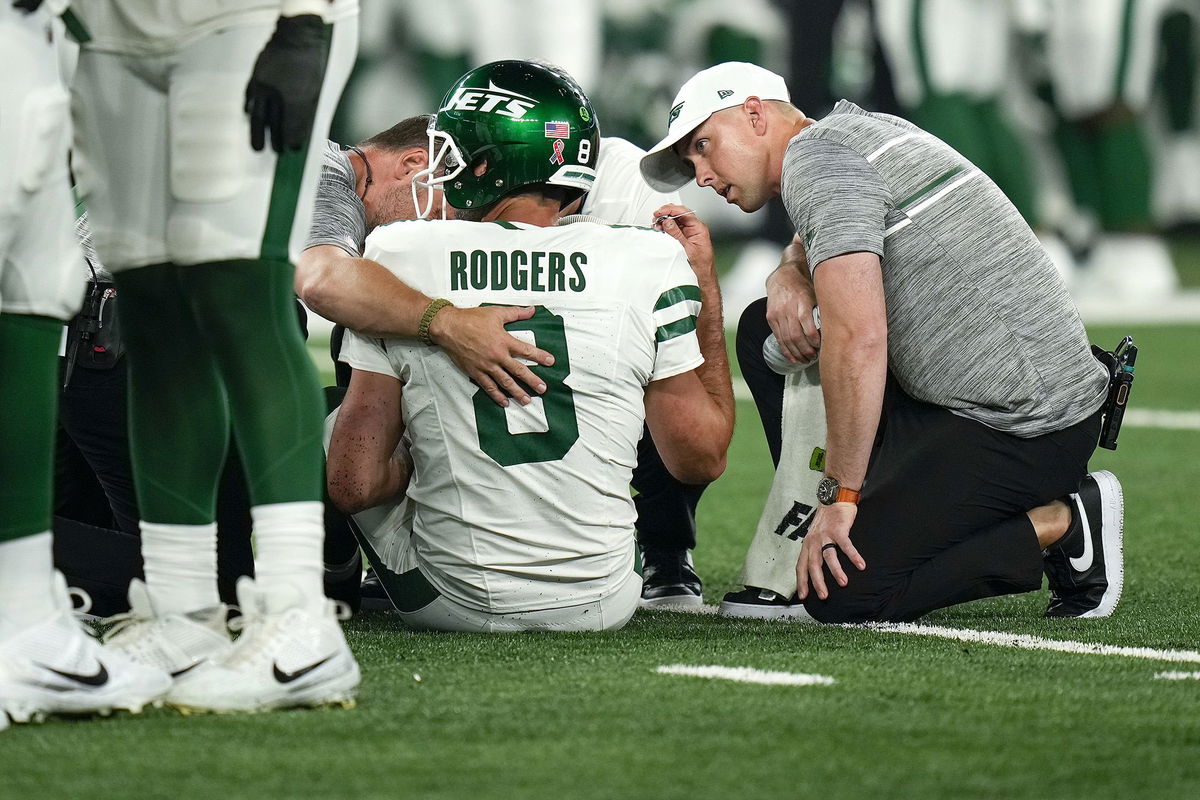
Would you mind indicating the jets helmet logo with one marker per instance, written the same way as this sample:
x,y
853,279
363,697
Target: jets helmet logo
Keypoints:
x,y
674,115
492,100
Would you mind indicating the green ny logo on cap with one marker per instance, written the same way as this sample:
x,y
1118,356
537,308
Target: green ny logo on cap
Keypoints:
x,y
674,115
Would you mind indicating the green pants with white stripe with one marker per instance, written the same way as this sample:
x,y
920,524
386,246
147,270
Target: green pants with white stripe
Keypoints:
x,y
950,62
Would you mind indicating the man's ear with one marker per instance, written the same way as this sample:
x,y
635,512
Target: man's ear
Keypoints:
x,y
412,161
756,114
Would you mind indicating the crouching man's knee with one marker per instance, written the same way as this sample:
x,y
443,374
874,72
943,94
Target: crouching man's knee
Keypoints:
x,y
845,605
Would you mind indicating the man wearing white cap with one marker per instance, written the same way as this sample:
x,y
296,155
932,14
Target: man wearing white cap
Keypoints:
x,y
962,401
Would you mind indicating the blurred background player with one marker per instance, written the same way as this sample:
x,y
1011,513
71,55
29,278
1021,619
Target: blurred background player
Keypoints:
x,y
47,663
198,220
533,528
1102,61
950,64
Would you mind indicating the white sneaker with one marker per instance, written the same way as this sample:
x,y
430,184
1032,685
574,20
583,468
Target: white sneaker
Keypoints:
x,y
175,643
285,657
55,667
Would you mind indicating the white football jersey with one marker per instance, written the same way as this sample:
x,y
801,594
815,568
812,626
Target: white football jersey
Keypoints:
x,y
159,27
522,508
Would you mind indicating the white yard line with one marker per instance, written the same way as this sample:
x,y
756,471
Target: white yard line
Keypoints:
x,y
746,675
1178,676
1018,641
1170,420
1025,642
1134,417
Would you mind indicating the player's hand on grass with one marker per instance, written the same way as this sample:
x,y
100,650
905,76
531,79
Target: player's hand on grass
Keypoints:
x,y
477,342
790,302
829,534
285,86
682,224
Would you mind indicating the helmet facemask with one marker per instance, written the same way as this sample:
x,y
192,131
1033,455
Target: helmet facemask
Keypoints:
x,y
444,155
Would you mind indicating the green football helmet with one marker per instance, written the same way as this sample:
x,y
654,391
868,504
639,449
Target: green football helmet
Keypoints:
x,y
530,122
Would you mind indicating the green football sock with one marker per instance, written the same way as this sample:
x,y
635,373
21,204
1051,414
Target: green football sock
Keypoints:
x,y
1108,166
178,415
1179,71
28,413
248,312
1081,162
1126,171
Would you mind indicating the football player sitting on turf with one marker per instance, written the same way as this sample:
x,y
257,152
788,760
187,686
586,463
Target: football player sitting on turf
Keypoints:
x,y
370,185
519,517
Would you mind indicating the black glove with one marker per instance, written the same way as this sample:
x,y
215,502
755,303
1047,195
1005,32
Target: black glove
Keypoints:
x,y
26,5
286,83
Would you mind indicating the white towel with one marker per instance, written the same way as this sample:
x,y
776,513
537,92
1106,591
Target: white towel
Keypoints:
x,y
771,560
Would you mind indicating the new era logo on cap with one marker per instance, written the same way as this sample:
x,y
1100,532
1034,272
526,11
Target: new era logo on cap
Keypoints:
x,y
723,93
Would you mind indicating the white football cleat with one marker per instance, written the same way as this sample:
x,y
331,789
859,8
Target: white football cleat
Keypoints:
x,y
55,667
286,656
178,644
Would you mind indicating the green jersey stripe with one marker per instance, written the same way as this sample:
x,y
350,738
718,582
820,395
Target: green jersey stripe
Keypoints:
x,y
677,295
928,188
75,27
285,193
1124,50
677,328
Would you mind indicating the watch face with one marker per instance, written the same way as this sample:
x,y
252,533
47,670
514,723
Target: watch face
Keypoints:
x,y
827,490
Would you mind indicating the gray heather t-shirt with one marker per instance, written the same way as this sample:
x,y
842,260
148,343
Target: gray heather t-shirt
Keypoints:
x,y
339,217
979,320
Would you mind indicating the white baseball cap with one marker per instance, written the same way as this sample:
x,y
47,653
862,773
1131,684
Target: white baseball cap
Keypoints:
x,y
707,92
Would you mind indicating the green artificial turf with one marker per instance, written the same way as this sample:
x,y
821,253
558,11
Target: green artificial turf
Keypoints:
x,y
586,716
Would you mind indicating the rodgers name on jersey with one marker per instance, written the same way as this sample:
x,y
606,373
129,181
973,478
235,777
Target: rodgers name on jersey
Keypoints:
x,y
521,270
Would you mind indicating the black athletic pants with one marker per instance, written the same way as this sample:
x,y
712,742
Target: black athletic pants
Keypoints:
x,y
942,517
93,475
766,385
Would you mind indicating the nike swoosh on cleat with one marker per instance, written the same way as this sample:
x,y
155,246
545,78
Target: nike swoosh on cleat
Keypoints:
x,y
99,678
288,677
189,668
1083,561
